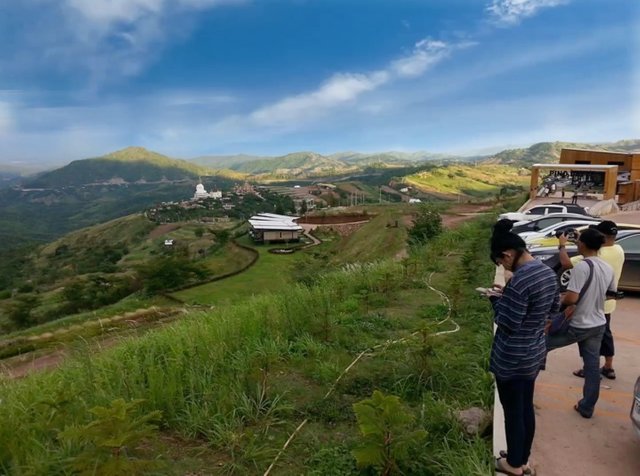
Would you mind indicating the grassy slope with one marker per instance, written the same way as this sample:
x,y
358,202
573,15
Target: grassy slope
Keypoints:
x,y
482,180
375,240
234,382
270,273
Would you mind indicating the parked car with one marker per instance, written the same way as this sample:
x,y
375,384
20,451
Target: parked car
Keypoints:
x,y
628,239
543,222
542,210
561,227
552,240
635,408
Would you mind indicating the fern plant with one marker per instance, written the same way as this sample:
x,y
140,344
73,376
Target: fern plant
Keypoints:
x,y
110,440
387,431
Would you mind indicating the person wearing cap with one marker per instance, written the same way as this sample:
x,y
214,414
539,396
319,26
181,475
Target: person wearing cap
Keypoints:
x,y
612,254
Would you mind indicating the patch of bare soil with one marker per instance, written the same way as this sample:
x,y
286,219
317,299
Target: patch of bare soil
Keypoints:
x,y
456,215
346,229
160,230
334,219
463,212
26,364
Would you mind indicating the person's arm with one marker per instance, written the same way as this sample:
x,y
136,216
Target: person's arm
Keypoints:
x,y
565,261
578,279
613,285
511,310
570,298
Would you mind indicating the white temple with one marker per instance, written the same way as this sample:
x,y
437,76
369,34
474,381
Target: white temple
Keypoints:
x,y
202,193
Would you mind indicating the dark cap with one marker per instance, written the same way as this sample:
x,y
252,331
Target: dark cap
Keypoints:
x,y
607,227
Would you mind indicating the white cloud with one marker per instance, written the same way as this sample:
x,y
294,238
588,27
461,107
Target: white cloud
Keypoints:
x,y
425,54
108,39
107,13
510,12
339,90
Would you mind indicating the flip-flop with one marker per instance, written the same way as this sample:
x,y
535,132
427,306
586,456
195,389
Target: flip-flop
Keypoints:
x,y
529,471
500,469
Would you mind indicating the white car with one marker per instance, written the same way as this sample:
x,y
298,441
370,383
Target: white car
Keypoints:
x,y
542,210
550,231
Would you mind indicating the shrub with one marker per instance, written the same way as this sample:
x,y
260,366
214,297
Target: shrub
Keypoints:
x,y
426,225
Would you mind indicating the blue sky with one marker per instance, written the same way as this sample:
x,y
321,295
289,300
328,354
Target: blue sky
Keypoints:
x,y
81,78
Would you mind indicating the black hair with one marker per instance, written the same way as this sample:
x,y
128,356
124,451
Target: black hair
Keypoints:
x,y
592,239
503,239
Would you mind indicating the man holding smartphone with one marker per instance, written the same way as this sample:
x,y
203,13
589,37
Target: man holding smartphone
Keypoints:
x,y
612,254
590,280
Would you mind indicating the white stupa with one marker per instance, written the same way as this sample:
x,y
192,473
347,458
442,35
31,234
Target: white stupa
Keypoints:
x,y
200,192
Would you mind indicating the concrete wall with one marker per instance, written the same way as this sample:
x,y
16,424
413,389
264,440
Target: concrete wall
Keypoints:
x,y
277,235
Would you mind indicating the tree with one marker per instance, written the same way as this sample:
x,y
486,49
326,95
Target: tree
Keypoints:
x,y
172,272
426,225
19,310
387,432
303,207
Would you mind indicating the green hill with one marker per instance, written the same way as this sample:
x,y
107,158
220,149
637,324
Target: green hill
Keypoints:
x,y
130,165
90,191
549,152
476,181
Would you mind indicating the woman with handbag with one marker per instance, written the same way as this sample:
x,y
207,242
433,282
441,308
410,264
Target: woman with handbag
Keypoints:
x,y
519,348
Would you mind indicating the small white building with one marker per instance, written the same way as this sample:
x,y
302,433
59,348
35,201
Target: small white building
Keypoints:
x,y
273,228
415,200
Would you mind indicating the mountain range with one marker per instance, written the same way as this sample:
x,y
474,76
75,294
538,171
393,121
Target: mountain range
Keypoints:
x,y
89,191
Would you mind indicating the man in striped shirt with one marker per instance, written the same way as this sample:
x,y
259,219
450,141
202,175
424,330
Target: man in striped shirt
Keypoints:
x,y
519,346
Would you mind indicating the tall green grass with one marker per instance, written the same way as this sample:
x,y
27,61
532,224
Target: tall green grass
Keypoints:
x,y
239,378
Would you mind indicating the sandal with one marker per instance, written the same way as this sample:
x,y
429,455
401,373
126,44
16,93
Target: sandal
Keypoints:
x,y
528,470
609,373
580,373
501,469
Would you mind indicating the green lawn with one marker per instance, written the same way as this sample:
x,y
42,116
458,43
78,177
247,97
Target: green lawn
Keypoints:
x,y
270,273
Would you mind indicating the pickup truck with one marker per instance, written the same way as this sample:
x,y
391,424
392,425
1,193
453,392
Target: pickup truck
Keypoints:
x,y
541,210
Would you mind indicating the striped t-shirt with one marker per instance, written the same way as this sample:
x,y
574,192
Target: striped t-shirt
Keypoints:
x,y
528,299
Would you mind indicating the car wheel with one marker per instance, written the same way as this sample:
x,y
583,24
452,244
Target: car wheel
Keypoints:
x,y
564,277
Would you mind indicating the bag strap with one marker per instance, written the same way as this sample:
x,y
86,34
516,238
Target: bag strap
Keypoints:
x,y
589,279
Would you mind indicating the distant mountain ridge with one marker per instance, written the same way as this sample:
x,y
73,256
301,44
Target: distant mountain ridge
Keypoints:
x,y
549,152
310,164
130,165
